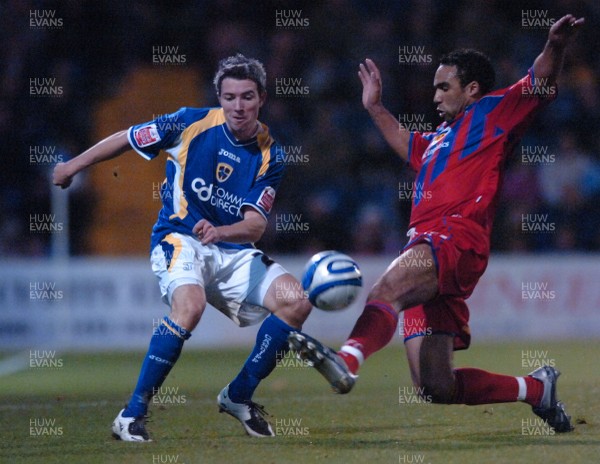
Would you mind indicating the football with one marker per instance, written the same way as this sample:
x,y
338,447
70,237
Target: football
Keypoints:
x,y
331,280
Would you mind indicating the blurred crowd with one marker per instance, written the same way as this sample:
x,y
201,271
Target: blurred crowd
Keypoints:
x,y
347,189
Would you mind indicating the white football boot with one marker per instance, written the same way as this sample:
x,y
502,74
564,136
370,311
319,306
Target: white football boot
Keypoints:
x,y
130,428
250,414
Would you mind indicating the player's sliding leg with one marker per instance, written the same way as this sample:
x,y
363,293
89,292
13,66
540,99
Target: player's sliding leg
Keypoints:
x,y
373,330
409,280
167,340
405,283
441,383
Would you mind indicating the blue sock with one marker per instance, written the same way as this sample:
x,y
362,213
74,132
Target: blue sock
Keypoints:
x,y
165,346
271,344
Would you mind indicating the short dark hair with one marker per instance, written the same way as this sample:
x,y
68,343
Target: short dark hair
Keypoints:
x,y
471,65
240,67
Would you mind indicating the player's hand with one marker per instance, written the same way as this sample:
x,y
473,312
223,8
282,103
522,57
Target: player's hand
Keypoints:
x,y
371,80
206,232
62,176
562,30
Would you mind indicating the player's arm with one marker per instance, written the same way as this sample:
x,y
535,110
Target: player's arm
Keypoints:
x,y
395,135
106,149
248,230
549,63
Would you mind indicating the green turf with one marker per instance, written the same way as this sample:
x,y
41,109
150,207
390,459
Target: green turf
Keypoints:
x,y
369,425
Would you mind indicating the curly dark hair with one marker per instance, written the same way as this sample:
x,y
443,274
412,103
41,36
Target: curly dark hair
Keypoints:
x,y
472,65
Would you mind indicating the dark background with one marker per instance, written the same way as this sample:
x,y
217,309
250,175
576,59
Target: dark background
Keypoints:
x,y
348,191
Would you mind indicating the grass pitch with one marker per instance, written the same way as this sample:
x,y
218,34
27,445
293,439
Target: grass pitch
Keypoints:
x,y
62,414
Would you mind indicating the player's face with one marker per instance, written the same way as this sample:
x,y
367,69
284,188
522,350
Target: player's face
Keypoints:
x,y
450,98
241,103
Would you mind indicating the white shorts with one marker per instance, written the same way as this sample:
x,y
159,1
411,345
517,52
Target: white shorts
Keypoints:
x,y
235,281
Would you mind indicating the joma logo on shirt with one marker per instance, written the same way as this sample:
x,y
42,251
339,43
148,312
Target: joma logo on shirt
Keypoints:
x,y
228,154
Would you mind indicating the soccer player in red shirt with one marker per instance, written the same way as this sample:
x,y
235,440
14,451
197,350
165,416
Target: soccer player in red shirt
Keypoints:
x,y
459,173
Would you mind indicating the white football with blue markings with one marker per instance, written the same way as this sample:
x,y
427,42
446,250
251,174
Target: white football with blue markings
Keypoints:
x,y
331,280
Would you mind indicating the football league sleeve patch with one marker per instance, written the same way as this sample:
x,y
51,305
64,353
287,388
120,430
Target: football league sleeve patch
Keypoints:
x,y
150,137
266,199
261,200
146,135
262,195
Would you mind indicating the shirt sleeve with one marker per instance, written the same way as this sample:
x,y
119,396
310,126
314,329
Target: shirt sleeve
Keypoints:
x,y
521,101
262,194
163,132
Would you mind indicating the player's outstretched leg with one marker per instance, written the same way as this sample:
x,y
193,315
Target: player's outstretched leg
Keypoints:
x,y
373,330
550,409
325,360
164,350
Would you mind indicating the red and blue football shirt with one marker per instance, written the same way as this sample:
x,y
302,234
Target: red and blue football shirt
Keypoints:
x,y
459,166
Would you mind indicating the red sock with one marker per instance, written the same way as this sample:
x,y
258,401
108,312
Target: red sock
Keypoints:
x,y
373,330
535,390
475,386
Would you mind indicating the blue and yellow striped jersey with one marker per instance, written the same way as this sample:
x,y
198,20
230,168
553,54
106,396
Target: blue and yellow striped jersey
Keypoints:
x,y
209,174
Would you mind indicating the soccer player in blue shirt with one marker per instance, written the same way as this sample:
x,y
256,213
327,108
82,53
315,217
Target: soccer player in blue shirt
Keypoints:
x,y
222,174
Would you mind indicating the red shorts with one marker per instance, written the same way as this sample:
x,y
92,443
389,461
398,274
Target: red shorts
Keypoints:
x,y
460,249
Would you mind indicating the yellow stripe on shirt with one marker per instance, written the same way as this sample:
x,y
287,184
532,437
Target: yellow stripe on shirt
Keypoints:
x,y
264,142
213,118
